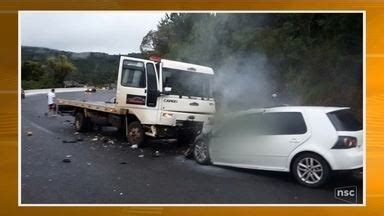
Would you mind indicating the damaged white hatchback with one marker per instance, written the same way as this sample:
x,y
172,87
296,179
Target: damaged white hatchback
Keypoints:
x,y
309,142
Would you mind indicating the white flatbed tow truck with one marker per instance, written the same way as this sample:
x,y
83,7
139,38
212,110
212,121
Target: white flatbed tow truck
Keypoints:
x,y
158,98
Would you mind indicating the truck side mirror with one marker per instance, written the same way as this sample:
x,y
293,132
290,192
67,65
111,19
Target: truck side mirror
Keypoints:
x,y
167,89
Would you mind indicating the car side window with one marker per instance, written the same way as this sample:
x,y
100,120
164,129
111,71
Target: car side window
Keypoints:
x,y
243,125
283,123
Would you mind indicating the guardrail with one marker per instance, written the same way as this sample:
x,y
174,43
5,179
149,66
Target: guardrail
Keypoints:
x,y
57,90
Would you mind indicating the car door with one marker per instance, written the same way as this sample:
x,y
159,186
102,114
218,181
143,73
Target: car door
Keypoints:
x,y
260,141
234,142
282,132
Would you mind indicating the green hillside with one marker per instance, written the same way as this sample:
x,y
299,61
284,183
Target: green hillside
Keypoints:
x,y
91,68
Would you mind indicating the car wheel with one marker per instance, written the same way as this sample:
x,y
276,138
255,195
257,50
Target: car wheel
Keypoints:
x,y
135,134
82,123
311,170
201,152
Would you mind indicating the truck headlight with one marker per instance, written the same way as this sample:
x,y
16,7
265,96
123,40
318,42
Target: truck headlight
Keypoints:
x,y
167,115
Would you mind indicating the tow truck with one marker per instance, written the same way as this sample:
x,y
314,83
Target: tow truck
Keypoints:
x,y
156,98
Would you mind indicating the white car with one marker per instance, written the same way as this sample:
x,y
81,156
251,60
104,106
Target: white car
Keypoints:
x,y
309,142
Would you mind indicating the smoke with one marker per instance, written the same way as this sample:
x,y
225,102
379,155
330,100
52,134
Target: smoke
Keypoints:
x,y
242,78
249,80
242,83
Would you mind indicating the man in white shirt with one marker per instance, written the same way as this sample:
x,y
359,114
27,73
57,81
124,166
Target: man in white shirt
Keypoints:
x,y
51,102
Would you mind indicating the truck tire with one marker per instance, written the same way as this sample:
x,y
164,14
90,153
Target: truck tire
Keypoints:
x,y
82,124
135,133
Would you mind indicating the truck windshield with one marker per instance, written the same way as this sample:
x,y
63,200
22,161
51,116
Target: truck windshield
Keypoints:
x,y
187,83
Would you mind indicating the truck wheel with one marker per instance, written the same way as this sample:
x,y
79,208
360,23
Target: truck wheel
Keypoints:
x,y
201,152
135,133
82,124
311,170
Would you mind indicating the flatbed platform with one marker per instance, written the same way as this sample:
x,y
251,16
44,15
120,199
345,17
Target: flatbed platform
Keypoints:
x,y
92,105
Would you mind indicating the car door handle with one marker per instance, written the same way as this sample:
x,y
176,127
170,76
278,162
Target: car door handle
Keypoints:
x,y
294,141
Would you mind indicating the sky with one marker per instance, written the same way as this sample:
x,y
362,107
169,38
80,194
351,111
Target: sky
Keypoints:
x,y
109,32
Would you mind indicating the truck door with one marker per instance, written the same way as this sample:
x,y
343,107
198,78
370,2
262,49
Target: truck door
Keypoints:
x,y
137,85
131,83
152,90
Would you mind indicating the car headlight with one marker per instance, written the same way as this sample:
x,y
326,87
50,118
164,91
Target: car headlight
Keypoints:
x,y
167,115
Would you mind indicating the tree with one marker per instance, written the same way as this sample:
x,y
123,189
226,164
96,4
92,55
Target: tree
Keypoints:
x,y
60,67
31,70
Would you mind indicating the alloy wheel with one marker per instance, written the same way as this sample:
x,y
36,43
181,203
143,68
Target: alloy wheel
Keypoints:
x,y
200,151
310,170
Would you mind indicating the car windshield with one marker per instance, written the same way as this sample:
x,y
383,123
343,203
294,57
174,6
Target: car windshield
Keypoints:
x,y
187,83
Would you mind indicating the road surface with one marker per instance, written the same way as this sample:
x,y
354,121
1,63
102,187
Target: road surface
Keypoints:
x,y
109,171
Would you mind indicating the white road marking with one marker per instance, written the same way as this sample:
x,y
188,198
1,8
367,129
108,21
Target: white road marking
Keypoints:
x,y
42,128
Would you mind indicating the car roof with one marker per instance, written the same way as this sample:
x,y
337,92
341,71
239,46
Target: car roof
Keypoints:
x,y
291,109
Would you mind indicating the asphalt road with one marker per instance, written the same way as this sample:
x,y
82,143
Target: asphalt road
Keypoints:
x,y
109,171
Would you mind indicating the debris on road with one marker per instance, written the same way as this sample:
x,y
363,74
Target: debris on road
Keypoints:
x,y
123,162
68,156
69,141
66,160
29,133
134,146
156,154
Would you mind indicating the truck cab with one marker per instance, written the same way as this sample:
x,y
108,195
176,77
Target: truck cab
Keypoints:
x,y
164,98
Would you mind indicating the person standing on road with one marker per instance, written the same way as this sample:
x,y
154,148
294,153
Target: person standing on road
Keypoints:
x,y
51,102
